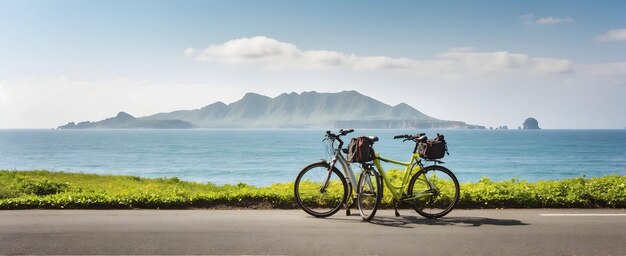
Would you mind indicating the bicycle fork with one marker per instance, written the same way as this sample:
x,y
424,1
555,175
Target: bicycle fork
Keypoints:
x,y
327,180
349,177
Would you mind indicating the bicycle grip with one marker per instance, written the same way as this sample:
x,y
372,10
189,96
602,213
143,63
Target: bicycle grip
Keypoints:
x,y
399,136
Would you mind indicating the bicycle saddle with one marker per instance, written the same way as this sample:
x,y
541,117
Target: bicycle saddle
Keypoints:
x,y
373,138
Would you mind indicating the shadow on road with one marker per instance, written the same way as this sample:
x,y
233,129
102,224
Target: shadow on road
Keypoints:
x,y
406,221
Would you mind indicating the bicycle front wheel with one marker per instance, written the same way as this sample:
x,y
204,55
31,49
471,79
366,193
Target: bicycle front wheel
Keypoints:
x,y
315,199
436,190
370,192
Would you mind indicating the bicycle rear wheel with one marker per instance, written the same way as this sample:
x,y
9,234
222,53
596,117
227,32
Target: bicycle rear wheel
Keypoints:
x,y
315,200
370,192
439,189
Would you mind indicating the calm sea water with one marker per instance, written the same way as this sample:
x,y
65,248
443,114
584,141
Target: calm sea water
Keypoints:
x,y
262,157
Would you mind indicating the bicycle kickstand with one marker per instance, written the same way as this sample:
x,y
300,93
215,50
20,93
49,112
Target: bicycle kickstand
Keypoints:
x,y
395,208
347,205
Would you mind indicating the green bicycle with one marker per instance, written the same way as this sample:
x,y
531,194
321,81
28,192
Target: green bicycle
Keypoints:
x,y
432,190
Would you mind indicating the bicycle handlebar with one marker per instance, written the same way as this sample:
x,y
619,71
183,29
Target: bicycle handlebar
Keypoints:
x,y
342,132
416,137
331,136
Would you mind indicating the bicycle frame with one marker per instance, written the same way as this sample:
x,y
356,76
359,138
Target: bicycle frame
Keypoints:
x,y
345,165
398,191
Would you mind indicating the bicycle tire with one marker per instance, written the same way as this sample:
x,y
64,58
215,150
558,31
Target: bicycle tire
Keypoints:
x,y
447,193
311,199
368,200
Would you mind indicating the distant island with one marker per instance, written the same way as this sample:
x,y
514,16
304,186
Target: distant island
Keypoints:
x,y
126,121
531,124
293,110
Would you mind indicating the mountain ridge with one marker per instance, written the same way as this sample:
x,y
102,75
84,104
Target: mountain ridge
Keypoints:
x,y
124,120
287,110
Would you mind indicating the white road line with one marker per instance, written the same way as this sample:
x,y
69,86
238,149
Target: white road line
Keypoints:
x,y
581,214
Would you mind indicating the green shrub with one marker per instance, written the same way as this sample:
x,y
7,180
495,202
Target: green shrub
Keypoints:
x,y
59,190
42,187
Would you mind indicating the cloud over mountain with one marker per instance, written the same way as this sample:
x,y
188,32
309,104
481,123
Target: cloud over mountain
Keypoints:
x,y
276,55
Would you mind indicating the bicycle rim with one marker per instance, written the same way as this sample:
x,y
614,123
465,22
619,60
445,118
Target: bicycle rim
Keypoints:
x,y
369,194
440,189
312,198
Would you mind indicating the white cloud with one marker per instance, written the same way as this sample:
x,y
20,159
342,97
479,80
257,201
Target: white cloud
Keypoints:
x,y
552,20
530,20
615,72
275,55
189,52
491,62
612,35
606,68
548,66
50,102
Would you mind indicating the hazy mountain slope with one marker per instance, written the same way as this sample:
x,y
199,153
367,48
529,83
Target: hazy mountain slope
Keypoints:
x,y
292,110
126,121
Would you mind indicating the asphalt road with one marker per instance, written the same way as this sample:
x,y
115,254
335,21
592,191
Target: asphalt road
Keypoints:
x,y
463,232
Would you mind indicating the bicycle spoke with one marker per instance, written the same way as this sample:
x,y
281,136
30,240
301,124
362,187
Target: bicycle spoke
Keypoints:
x,y
370,194
315,199
443,188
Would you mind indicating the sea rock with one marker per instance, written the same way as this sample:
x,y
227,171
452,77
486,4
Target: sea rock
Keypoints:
x,y
531,124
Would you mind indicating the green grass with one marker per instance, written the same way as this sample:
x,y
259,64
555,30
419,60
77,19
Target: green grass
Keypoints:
x,y
60,190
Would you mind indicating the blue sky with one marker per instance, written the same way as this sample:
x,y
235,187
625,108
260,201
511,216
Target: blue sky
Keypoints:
x,y
529,58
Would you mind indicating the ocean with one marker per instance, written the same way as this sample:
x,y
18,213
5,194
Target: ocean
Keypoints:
x,y
263,157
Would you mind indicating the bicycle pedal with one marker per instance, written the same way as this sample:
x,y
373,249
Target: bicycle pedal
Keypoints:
x,y
348,212
397,214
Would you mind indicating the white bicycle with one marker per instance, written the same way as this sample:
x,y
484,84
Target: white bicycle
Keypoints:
x,y
320,188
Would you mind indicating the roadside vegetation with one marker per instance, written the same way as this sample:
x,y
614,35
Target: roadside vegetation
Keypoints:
x,y
60,190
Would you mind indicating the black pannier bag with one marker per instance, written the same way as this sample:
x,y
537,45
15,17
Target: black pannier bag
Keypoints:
x,y
433,149
360,150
